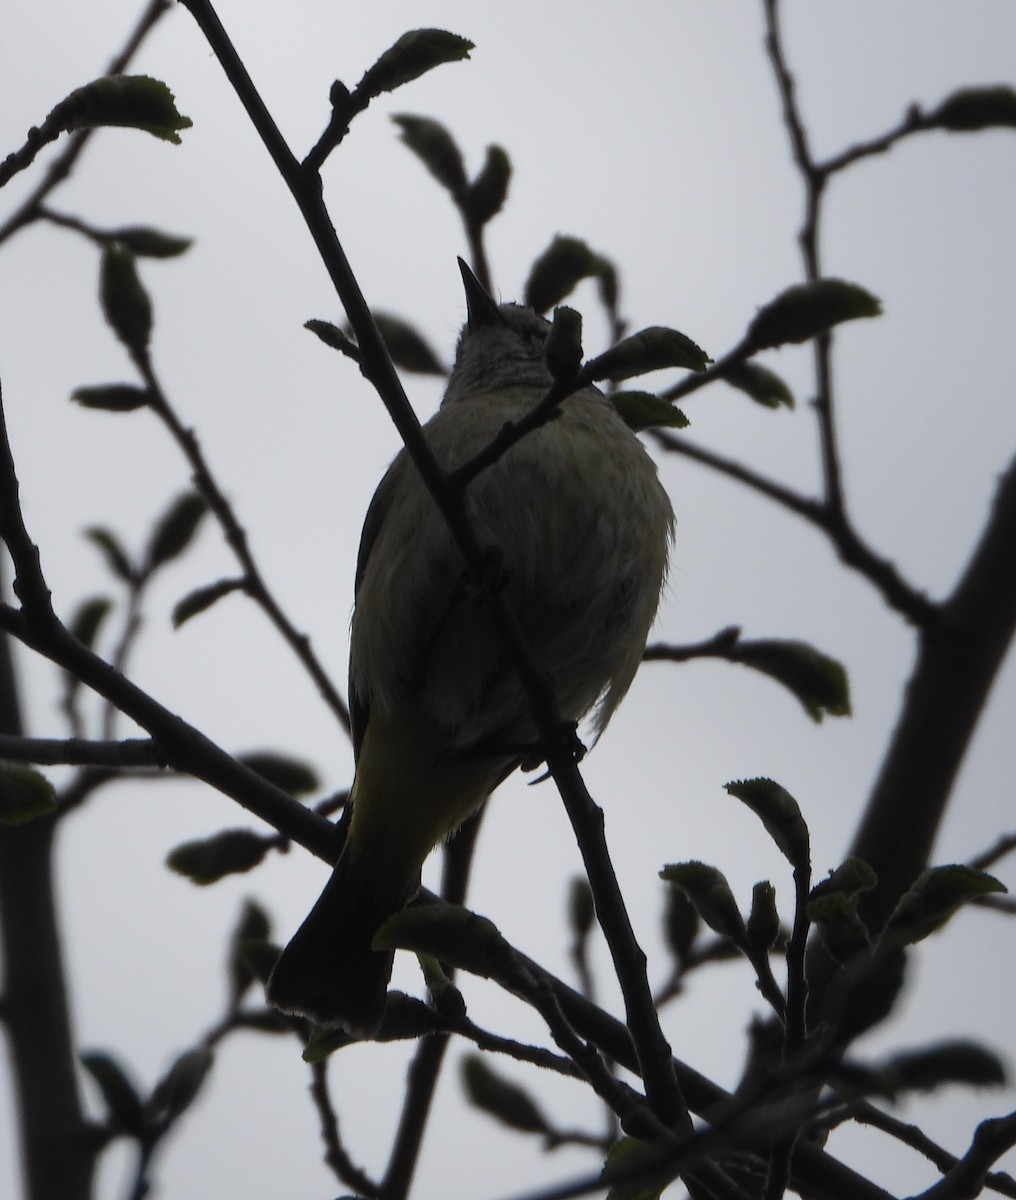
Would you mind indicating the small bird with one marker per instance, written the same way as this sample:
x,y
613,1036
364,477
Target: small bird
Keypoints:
x,y
582,529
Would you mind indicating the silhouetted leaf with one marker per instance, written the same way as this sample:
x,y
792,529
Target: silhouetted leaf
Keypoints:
x,y
203,598
495,1094
935,896
179,1087
125,302
175,530
126,101
121,1097
25,794
112,397
836,917
652,349
681,923
414,54
150,243
781,815
765,387
562,350
646,410
253,926
808,309
947,1062
554,275
487,193
581,911
88,618
763,924
332,336
818,681
207,860
971,109
112,551
431,142
292,775
708,890
409,349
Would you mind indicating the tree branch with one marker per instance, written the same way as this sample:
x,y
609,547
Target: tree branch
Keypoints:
x,y
254,584
61,166
131,752
958,659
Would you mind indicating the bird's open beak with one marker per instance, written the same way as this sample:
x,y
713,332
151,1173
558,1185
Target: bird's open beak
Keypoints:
x,y
480,308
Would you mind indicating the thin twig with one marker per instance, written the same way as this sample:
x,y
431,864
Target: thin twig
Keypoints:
x,y
183,747
61,166
254,584
852,550
425,1068
866,1113
130,752
335,1153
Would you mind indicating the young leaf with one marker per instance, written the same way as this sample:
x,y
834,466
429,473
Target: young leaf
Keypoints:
x,y
333,336
947,1062
970,109
178,1088
260,958
487,193
447,932
254,926
710,893
681,923
651,349
203,598
431,142
405,1018
207,860
125,302
506,1101
765,387
763,922
581,910
88,618
175,530
25,794
127,101
112,397
646,410
819,682
150,243
852,877
112,551
780,813
413,55
623,1159
565,263
935,896
836,917
121,1097
803,312
410,351
562,351
290,774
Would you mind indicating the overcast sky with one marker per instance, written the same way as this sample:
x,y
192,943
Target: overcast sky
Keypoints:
x,y
654,133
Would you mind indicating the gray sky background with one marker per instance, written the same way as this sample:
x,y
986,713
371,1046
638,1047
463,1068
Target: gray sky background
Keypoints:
x,y
654,134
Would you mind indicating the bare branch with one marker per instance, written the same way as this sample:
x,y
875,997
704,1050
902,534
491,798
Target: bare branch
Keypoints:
x,y
130,752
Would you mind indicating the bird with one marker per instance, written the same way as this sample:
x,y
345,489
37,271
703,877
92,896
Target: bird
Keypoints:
x,y
582,528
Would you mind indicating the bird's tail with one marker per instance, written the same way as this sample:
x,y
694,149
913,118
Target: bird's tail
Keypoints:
x,y
330,972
